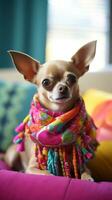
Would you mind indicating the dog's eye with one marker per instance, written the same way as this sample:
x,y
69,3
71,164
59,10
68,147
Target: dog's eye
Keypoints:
x,y
71,79
46,83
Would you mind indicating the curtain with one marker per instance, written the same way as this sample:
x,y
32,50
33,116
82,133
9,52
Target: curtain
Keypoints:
x,y
23,27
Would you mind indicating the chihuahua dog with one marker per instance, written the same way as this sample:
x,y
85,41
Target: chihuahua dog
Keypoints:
x,y
58,90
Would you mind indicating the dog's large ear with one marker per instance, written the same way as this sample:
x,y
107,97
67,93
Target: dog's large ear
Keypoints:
x,y
83,57
25,64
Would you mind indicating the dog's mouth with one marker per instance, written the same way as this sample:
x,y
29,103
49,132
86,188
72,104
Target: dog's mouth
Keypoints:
x,y
61,99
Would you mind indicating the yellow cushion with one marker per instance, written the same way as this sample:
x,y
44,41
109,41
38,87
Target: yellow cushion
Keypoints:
x,y
101,165
94,97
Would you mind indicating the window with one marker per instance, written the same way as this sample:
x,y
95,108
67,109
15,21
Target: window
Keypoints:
x,y
73,23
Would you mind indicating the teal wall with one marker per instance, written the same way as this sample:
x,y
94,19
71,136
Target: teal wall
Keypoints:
x,y
23,27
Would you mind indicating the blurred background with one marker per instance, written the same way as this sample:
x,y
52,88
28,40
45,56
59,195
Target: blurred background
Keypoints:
x,y
55,29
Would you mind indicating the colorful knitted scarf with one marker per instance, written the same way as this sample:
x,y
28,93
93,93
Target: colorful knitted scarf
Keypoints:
x,y
64,141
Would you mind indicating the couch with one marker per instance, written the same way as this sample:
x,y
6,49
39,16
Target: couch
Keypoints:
x,y
15,96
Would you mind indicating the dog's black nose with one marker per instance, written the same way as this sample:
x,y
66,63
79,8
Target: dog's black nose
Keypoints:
x,y
63,89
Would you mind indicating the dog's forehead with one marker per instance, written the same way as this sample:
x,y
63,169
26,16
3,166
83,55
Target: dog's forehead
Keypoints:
x,y
57,67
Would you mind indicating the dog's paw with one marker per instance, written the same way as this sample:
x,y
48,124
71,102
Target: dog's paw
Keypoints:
x,y
44,172
86,176
32,170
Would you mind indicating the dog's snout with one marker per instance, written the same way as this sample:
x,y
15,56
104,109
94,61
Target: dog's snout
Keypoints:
x,y
62,89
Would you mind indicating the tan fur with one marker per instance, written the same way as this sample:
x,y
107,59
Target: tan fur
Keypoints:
x,y
51,98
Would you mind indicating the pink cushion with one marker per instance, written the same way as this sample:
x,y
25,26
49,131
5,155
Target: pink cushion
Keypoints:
x,y
3,165
15,185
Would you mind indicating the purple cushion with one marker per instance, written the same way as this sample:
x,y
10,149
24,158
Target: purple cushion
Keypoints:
x,y
15,185
3,165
